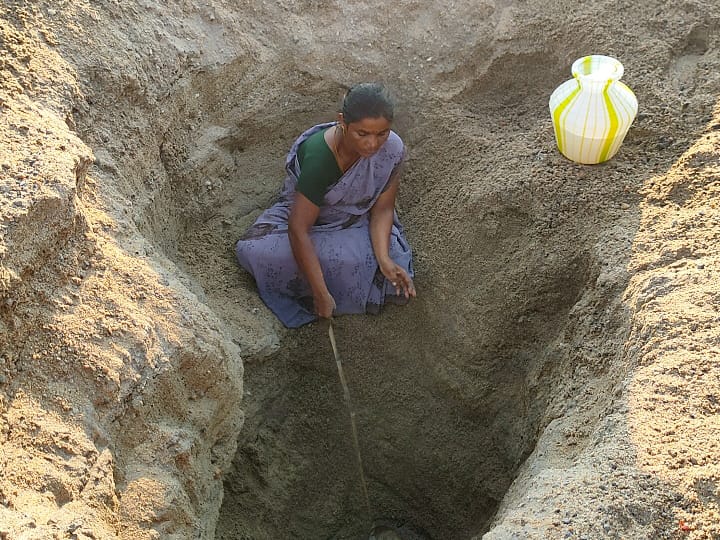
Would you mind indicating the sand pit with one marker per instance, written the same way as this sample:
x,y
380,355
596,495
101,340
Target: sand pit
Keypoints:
x,y
556,376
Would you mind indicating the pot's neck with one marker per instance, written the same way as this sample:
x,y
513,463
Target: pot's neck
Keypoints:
x,y
594,84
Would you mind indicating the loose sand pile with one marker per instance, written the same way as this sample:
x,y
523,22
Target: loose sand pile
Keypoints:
x,y
557,376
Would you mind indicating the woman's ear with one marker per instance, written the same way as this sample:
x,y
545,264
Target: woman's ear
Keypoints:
x,y
341,122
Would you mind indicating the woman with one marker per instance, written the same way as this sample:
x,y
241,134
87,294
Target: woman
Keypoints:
x,y
333,243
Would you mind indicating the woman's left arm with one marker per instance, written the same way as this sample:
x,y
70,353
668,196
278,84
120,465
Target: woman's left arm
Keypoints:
x,y
381,220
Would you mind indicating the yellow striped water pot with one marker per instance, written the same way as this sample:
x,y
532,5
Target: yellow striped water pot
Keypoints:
x,y
593,111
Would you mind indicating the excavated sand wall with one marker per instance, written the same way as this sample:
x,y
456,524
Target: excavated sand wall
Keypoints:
x,y
509,398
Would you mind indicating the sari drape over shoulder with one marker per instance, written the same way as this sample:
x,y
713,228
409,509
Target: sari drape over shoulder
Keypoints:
x,y
341,237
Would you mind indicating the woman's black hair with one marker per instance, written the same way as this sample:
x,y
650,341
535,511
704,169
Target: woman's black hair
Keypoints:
x,y
367,100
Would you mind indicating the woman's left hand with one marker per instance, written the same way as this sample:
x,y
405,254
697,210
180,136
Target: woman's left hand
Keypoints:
x,y
398,277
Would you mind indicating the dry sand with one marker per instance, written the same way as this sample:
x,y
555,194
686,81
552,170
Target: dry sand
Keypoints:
x,y
557,376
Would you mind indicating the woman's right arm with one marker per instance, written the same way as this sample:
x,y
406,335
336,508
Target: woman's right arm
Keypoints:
x,y
302,217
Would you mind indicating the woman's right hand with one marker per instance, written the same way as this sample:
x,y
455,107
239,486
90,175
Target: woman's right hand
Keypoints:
x,y
324,305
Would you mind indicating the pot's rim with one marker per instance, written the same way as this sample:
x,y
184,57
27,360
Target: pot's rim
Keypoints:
x,y
597,68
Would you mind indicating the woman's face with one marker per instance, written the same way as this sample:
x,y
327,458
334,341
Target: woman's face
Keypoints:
x,y
367,135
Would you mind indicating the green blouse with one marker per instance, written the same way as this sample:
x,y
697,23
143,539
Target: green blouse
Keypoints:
x,y
318,168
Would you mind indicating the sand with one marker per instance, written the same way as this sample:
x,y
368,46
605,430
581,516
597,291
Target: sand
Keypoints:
x,y
557,376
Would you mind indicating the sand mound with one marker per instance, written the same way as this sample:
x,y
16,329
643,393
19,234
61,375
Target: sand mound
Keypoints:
x,y
556,376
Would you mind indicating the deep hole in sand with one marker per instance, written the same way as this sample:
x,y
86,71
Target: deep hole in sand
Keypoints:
x,y
449,401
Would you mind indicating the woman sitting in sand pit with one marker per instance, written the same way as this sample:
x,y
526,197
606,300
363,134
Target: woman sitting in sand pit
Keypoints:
x,y
332,244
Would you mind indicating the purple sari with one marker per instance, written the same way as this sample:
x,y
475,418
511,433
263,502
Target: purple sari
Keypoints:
x,y
341,237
